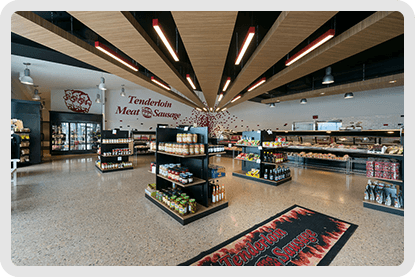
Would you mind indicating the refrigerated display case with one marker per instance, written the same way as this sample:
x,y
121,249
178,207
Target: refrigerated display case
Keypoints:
x,y
74,133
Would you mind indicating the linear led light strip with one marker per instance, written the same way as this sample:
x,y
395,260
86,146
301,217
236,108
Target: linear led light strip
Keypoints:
x,y
257,84
225,87
156,27
236,98
159,83
190,81
313,45
113,55
247,41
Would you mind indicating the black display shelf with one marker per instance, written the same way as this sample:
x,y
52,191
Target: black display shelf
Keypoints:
x,y
113,169
383,208
108,146
197,164
186,219
242,174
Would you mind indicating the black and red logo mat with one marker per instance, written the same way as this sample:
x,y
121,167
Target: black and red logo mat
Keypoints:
x,y
294,237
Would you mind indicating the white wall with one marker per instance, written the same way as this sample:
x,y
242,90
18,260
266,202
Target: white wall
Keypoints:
x,y
58,103
373,108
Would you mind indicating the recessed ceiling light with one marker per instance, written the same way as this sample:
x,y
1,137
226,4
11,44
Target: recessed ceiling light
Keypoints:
x,y
392,82
322,93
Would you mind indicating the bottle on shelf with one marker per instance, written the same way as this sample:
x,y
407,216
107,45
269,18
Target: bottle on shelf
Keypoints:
x,y
271,175
266,174
219,190
213,194
223,192
265,157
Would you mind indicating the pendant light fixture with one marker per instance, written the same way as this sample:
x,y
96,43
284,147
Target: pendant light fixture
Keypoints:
x,y
245,44
303,101
190,81
348,95
158,82
236,98
98,99
36,95
257,84
114,55
272,105
122,91
102,85
26,79
220,97
225,87
328,79
313,45
160,33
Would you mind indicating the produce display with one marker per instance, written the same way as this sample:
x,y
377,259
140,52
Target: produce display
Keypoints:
x,y
324,156
233,148
376,148
386,194
382,168
279,142
174,199
249,157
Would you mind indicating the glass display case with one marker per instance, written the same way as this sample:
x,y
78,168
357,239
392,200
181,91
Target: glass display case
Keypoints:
x,y
71,137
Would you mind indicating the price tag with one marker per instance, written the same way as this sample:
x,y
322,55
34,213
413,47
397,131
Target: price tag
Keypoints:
x,y
119,158
259,147
258,161
114,132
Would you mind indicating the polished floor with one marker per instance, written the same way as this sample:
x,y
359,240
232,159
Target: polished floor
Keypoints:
x,y
66,212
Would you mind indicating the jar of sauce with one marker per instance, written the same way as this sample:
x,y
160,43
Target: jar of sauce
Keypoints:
x,y
202,148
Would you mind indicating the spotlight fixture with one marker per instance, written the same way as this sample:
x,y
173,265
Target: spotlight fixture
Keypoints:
x,y
36,95
224,109
217,109
220,97
328,79
211,109
26,79
313,45
205,109
348,95
122,91
245,44
392,82
236,98
199,109
257,84
98,100
114,55
303,101
190,81
225,87
157,27
272,105
153,79
102,85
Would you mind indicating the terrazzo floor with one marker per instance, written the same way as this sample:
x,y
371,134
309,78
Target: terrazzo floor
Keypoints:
x,y
66,212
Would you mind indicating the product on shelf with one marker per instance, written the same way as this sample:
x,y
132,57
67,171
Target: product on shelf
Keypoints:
x,y
117,152
215,148
153,167
218,192
381,193
276,158
174,199
249,157
277,174
381,168
324,156
119,140
108,166
248,142
182,148
254,172
216,171
153,146
186,138
279,142
176,173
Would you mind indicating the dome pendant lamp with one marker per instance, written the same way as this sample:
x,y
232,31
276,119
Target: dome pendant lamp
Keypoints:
x,y
102,85
26,79
348,95
122,91
303,101
36,95
328,79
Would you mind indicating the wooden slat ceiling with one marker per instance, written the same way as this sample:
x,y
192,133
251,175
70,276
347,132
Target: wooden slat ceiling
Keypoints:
x,y
377,28
35,28
371,84
123,31
289,30
206,36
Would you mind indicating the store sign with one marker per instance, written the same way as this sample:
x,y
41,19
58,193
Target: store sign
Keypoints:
x,y
147,111
77,101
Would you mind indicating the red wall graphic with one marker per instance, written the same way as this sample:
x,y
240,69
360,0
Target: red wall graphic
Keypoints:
x,y
77,101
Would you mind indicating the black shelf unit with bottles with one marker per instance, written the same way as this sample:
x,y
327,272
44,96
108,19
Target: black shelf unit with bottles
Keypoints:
x,y
197,164
261,165
110,140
